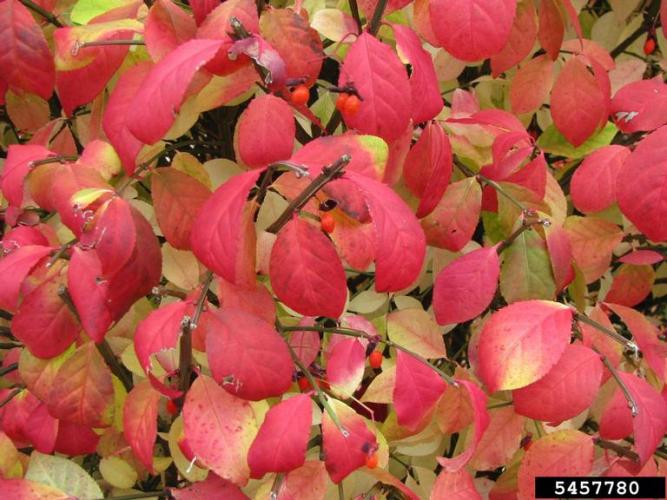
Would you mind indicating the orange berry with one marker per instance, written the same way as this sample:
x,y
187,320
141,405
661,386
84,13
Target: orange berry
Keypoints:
x,y
649,46
327,222
372,461
352,105
375,359
304,384
300,95
172,408
341,100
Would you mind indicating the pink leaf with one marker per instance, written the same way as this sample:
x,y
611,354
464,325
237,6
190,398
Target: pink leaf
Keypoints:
x,y
577,102
42,429
213,485
466,287
593,185
255,299
24,52
400,244
167,26
480,422
616,420
428,168
265,131
520,42
455,486
531,84
264,55
218,237
567,390
500,440
416,391
202,8
425,92
641,257
15,268
382,82
306,344
280,445
472,30
641,186
154,107
560,255
219,428
345,366
16,168
306,273
23,489
520,343
140,421
552,28
247,356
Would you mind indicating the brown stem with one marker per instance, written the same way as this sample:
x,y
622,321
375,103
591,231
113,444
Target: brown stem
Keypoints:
x,y
469,173
374,25
44,13
328,173
11,396
102,43
634,409
354,10
628,344
643,28
617,448
9,345
8,369
53,159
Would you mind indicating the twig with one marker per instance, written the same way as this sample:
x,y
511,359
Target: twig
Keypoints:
x,y
11,396
481,178
525,225
42,12
634,409
354,10
9,345
187,326
374,25
351,332
617,448
52,159
277,483
628,344
650,14
299,171
143,494
328,173
102,43
8,369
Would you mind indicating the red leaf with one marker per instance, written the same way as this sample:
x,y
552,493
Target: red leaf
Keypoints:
x,y
44,323
631,285
453,222
455,486
282,440
16,168
481,419
306,344
213,486
551,29
567,390
428,168
650,424
466,286
641,257
594,338
177,198
345,366
425,92
160,330
219,237
520,343
154,107
14,268
416,391
382,82
592,240
560,255
500,440
306,273
472,30
520,42
305,483
23,489
345,452
114,122
42,429
616,421
641,186
265,131
400,244
578,103
562,453
24,54
219,428
593,185
256,300
247,356
140,421
531,84
82,391
167,26
202,8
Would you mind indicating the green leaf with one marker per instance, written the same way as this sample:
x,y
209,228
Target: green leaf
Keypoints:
x,y
85,10
552,141
526,271
62,474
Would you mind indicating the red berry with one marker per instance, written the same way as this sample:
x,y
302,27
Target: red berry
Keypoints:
x,y
375,359
300,95
172,408
327,222
323,384
340,102
372,461
304,384
352,105
649,46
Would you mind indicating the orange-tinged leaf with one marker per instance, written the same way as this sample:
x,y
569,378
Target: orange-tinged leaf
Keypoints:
x,y
140,421
305,344
520,343
551,29
631,285
306,273
177,198
280,445
220,429
23,489
520,42
414,329
466,286
568,389
211,487
82,391
15,268
167,26
500,440
308,482
560,255
455,485
562,453
594,338
247,356
16,168
255,299
592,242
416,390
531,84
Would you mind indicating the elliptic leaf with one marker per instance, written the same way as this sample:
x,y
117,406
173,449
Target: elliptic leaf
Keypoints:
x,y
414,329
346,361
592,242
22,489
640,106
16,168
593,185
14,268
531,84
500,440
62,474
140,421
167,26
520,42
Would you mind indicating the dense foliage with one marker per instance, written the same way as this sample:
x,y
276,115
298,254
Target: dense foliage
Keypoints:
x,y
364,249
